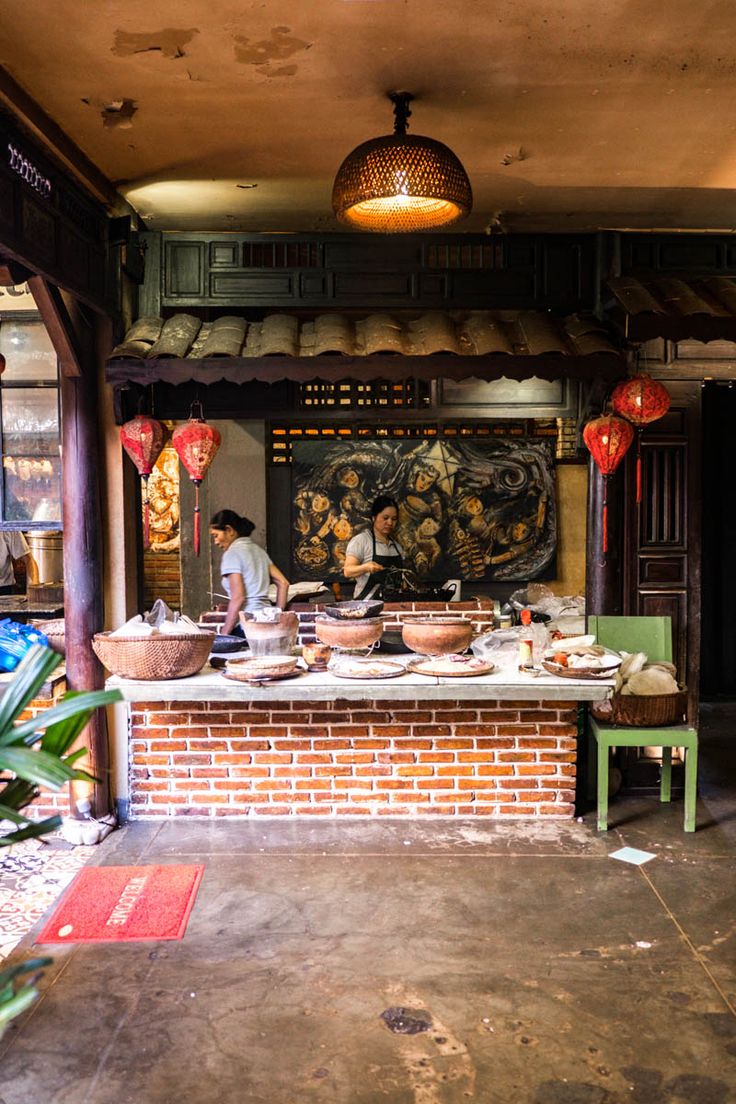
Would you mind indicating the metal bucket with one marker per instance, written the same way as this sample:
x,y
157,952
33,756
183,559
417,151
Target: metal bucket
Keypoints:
x,y
48,552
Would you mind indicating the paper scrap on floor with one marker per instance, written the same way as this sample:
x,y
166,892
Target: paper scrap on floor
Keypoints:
x,y
632,855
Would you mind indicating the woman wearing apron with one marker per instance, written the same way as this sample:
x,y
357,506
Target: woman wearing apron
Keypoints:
x,y
370,553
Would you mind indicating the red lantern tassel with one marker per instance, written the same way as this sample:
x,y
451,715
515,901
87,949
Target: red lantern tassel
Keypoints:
x,y
638,468
196,520
146,526
605,516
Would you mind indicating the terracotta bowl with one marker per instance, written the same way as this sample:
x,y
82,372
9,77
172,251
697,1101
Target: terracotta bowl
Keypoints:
x,y
348,634
437,635
316,655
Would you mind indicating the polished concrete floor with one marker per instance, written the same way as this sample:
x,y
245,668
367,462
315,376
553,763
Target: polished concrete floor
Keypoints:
x,y
536,968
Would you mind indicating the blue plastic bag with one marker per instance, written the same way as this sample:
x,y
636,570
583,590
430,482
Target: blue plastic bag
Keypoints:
x,y
15,640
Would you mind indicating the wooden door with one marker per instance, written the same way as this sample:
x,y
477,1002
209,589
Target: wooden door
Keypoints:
x,y
662,535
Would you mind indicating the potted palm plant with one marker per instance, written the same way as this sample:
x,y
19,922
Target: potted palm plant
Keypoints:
x,y
35,752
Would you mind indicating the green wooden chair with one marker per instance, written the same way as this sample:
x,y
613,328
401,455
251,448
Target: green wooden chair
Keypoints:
x,y
652,635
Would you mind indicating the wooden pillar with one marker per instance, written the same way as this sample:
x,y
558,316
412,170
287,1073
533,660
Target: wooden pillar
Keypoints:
x,y
83,583
604,575
75,340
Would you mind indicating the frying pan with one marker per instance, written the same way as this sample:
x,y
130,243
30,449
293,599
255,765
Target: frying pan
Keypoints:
x,y
354,611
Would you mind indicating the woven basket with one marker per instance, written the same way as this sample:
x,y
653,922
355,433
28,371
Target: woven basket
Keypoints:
x,y
641,712
54,632
153,658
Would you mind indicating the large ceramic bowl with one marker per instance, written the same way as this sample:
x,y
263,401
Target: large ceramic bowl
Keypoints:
x,y
362,633
270,637
437,635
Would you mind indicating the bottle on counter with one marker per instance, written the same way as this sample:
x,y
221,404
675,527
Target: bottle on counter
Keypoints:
x,y
536,636
526,642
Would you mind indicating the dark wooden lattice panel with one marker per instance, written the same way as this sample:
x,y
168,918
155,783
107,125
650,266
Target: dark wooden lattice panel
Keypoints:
x,y
663,520
357,395
282,435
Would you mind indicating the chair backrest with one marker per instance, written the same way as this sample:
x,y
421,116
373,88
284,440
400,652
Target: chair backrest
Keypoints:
x,y
652,635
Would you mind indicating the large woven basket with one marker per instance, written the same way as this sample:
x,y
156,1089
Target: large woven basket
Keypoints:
x,y
640,712
153,658
54,632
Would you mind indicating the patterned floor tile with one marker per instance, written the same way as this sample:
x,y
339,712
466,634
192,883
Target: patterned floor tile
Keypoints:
x,y
33,875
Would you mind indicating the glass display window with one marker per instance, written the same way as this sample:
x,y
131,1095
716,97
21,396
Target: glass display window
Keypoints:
x,y
30,489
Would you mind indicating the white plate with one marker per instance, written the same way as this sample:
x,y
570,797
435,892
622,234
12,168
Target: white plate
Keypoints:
x,y
452,667
262,678
368,669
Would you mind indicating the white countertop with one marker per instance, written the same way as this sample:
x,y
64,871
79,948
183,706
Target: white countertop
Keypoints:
x,y
211,685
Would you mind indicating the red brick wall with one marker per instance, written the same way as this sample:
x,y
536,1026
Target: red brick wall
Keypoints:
x,y
49,802
386,758
162,578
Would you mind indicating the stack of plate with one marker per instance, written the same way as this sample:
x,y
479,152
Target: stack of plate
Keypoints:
x,y
262,668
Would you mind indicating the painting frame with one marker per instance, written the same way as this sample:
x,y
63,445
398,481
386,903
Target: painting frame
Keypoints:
x,y
475,509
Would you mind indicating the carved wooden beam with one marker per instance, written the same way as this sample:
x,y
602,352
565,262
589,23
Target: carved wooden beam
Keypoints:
x,y
53,137
12,273
59,325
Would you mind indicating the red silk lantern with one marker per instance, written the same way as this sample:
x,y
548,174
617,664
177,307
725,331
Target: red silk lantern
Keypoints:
x,y
608,438
2,364
143,439
196,444
641,400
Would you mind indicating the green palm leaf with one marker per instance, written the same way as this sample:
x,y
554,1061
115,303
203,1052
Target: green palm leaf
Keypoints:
x,y
36,766
17,991
35,753
32,830
71,705
9,813
28,678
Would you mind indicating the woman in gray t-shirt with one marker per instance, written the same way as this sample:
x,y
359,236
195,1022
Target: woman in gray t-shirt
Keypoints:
x,y
246,569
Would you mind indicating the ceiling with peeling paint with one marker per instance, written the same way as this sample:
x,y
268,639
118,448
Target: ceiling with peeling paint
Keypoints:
x,y
235,115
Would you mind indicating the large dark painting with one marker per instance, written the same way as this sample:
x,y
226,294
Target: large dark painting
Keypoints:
x,y
480,510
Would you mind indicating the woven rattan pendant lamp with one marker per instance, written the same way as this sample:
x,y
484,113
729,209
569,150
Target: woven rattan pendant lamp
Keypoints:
x,y
401,183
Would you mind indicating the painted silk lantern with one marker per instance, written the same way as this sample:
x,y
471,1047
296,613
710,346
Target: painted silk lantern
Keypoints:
x,y
640,400
143,439
608,439
196,443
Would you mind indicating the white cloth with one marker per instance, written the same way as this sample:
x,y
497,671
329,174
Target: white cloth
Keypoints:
x,y
245,557
13,546
361,546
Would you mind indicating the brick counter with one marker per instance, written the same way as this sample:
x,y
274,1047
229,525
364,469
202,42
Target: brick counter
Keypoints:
x,y
309,747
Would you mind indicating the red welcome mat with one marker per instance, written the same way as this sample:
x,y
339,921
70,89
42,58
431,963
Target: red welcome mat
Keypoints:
x,y
115,904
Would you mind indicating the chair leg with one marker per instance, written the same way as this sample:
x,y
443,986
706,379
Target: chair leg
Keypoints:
x,y
691,786
603,756
591,766
665,789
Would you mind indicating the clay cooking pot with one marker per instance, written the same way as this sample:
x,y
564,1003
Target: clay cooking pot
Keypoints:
x,y
348,634
437,635
270,637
